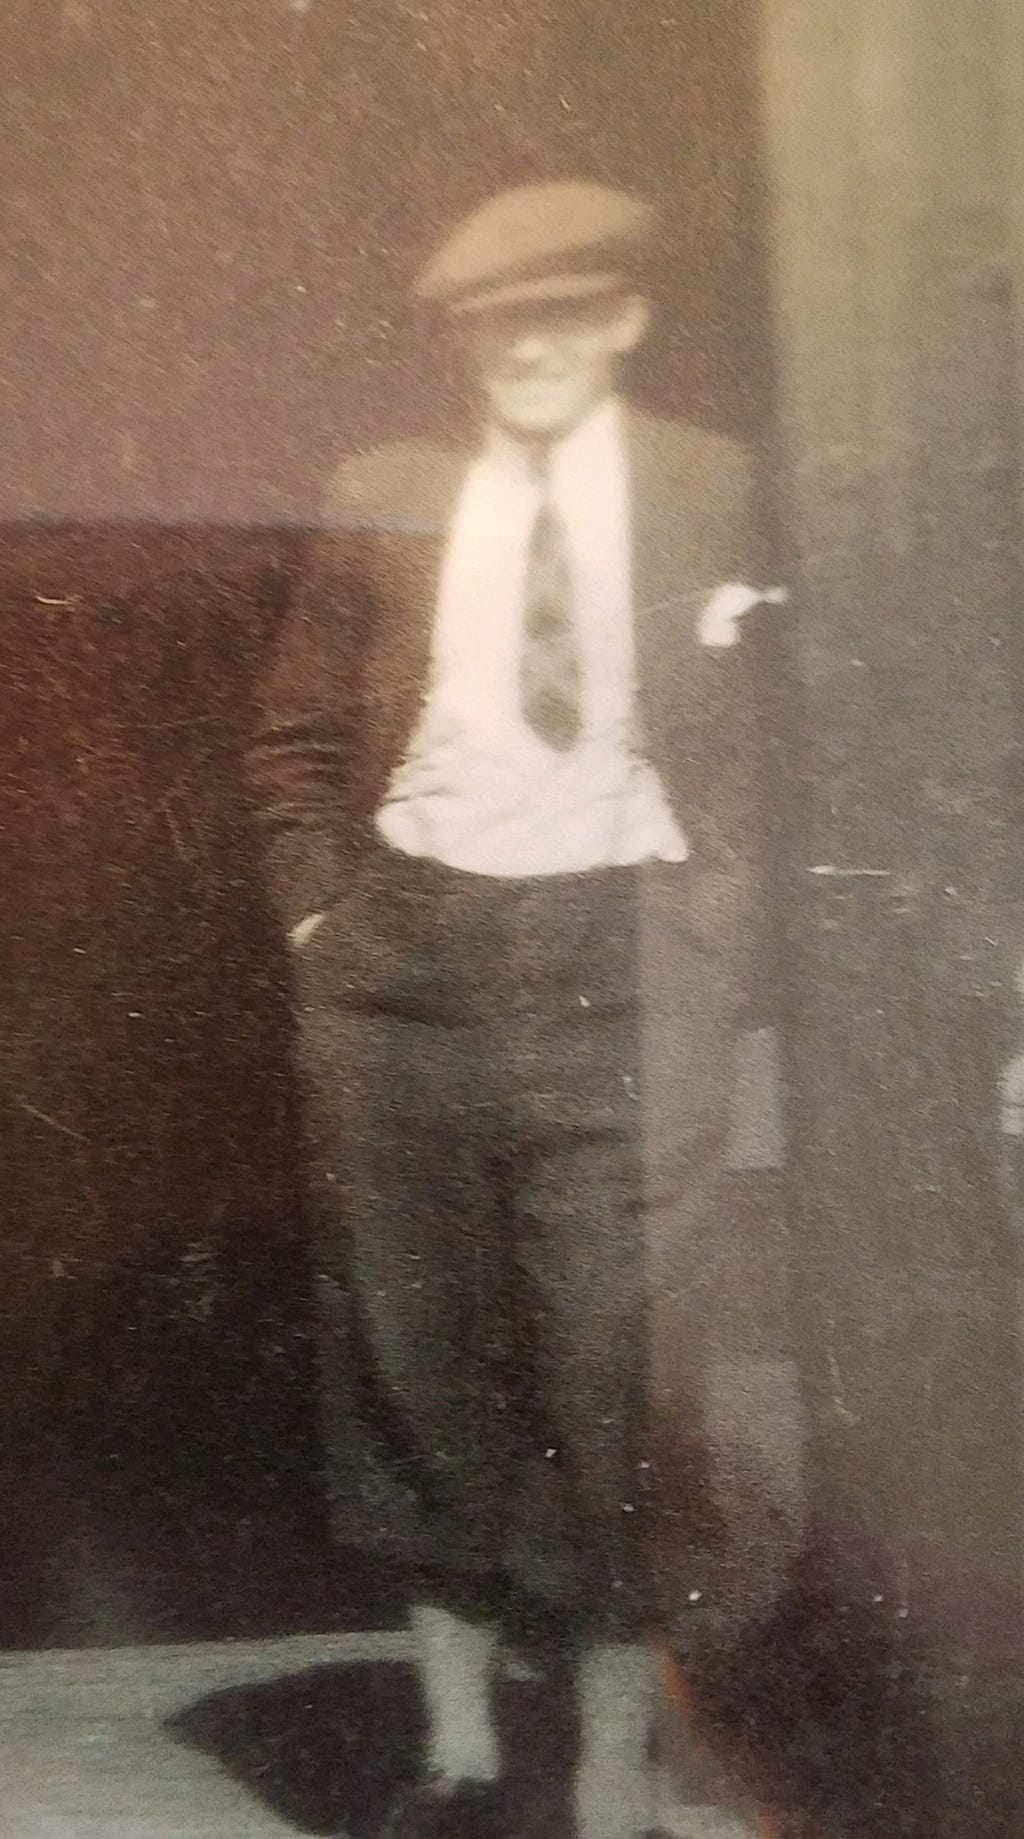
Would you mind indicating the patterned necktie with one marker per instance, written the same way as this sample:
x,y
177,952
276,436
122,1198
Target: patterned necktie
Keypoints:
x,y
550,670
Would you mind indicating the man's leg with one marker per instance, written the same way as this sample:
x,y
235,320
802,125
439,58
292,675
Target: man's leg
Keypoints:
x,y
584,1255
583,1243
411,1257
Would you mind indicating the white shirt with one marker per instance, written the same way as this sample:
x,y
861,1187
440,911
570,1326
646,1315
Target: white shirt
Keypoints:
x,y
479,790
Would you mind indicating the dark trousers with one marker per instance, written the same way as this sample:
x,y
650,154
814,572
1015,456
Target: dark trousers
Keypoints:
x,y
471,1062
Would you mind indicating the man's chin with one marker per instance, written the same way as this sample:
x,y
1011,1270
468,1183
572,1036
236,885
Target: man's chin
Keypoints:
x,y
537,417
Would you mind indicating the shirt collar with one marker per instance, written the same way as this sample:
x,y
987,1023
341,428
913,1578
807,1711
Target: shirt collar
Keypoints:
x,y
600,432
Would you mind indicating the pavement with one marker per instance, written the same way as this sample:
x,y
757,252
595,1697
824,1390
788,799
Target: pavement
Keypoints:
x,y
238,1740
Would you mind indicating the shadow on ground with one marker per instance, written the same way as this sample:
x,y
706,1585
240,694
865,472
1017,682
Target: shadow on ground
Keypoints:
x,y
330,1748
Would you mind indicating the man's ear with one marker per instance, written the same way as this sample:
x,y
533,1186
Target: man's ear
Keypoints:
x,y
631,323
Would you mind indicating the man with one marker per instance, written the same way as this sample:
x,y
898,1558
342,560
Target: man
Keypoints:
x,y
508,765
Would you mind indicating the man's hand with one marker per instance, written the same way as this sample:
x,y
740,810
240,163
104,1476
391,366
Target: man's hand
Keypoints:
x,y
302,933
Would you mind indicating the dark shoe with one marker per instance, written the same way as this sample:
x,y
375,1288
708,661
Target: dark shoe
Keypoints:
x,y
440,1809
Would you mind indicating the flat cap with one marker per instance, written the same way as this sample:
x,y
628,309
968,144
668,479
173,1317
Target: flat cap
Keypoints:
x,y
555,241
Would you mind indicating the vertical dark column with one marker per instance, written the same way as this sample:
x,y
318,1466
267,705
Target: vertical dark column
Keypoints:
x,y
888,139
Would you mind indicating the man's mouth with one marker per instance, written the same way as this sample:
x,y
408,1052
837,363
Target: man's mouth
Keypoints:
x,y
534,383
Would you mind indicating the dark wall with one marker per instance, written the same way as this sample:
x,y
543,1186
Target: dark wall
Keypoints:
x,y
214,212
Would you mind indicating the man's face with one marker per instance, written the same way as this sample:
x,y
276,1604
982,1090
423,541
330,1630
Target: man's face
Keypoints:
x,y
544,366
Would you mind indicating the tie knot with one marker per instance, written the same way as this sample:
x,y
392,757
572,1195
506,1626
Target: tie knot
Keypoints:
x,y
540,462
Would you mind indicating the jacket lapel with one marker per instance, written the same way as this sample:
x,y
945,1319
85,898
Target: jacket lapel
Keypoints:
x,y
669,567
408,531
659,534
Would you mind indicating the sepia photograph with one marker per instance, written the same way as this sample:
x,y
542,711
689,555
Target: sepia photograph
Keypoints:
x,y
512,1023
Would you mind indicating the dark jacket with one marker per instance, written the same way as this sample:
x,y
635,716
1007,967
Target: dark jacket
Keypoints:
x,y
350,670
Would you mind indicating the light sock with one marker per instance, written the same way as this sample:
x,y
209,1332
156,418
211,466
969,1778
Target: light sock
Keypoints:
x,y
457,1663
615,1782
